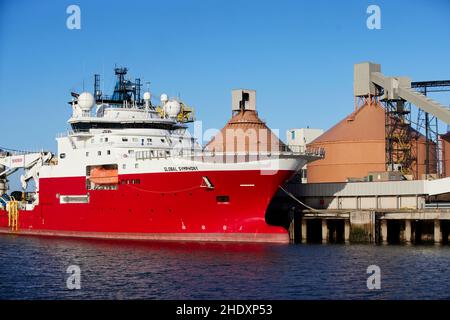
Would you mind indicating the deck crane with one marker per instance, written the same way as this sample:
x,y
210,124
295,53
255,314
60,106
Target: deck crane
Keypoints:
x,y
10,162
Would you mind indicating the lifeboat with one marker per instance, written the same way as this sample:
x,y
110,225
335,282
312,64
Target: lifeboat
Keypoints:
x,y
102,176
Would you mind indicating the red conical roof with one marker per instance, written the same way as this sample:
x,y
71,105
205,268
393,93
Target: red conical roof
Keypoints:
x,y
245,132
366,123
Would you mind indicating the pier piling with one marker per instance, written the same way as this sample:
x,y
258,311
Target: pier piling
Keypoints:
x,y
364,226
408,232
437,232
324,231
384,231
347,231
304,228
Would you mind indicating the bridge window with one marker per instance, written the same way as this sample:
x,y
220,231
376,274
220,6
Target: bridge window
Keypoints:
x,y
62,155
124,139
99,153
87,154
108,152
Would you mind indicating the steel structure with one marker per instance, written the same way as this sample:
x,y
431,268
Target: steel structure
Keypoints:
x,y
400,154
395,93
428,124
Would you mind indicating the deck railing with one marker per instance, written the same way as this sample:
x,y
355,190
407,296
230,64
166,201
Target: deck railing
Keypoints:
x,y
237,156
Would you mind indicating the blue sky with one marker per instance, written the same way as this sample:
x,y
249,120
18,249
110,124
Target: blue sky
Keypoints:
x,y
298,55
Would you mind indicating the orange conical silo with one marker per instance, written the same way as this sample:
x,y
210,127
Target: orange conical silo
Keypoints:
x,y
445,138
356,146
245,132
353,147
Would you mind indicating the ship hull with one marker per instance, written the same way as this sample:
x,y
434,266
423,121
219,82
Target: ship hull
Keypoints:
x,y
158,206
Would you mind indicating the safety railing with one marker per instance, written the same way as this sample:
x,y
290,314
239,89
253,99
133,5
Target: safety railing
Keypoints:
x,y
205,155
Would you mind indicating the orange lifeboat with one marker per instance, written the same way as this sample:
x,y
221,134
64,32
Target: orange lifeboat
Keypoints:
x,y
101,176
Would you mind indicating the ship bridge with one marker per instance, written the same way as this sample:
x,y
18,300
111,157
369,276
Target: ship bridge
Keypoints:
x,y
125,109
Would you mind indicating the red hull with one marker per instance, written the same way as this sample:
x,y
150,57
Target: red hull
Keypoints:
x,y
163,206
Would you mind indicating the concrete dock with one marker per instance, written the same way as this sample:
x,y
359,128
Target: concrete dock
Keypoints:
x,y
366,212
378,227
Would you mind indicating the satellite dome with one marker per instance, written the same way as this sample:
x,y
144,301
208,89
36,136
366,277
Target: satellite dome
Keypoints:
x,y
147,95
172,108
164,98
86,101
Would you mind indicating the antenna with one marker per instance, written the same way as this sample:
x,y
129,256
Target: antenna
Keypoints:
x,y
137,90
97,90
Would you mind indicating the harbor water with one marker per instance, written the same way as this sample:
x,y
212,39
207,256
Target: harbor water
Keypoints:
x,y
36,268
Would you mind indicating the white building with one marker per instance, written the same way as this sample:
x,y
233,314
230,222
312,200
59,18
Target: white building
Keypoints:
x,y
301,137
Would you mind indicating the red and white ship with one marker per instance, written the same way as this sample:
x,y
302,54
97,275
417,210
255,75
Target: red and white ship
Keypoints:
x,y
131,170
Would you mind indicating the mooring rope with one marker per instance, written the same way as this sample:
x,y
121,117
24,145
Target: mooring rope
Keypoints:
x,y
303,204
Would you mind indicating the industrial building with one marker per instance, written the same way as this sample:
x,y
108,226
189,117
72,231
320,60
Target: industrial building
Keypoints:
x,y
302,137
445,140
379,140
356,149
385,176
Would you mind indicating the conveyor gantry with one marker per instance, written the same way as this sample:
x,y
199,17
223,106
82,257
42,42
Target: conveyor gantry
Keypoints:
x,y
369,80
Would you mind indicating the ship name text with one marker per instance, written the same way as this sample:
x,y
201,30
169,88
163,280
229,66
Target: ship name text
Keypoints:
x,y
187,168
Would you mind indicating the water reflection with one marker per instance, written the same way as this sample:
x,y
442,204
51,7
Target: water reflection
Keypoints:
x,y
35,267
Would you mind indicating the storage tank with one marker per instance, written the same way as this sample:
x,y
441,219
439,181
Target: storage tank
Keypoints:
x,y
420,165
445,138
356,146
